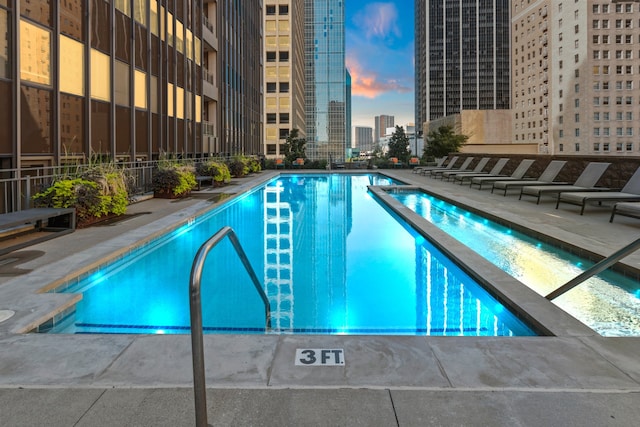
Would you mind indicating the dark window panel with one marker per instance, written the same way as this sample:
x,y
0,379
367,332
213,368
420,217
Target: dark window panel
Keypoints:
x,y
39,11
142,61
155,55
100,26
100,130
142,134
182,149
36,120
5,45
71,19
123,131
71,125
155,134
123,37
6,118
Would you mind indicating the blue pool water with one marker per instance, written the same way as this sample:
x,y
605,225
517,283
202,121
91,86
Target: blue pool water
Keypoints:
x,y
332,259
609,303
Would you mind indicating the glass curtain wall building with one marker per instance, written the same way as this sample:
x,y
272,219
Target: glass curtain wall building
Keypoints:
x,y
462,57
120,79
325,82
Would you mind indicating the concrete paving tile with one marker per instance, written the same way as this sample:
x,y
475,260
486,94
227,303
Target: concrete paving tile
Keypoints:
x,y
57,359
536,362
142,407
620,351
508,409
369,361
45,407
166,359
300,407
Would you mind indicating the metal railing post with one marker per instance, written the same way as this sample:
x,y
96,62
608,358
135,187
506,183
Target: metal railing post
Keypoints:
x,y
595,269
195,305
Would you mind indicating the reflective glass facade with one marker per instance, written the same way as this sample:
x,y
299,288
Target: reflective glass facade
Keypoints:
x,y
80,78
325,89
462,57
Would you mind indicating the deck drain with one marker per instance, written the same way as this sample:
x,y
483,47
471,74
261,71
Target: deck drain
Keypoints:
x,y
6,315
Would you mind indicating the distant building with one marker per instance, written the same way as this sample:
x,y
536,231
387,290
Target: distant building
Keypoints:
x,y
575,87
325,80
364,138
284,94
462,58
382,122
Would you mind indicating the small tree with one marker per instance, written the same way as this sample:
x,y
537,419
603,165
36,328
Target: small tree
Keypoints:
x,y
442,141
399,145
294,147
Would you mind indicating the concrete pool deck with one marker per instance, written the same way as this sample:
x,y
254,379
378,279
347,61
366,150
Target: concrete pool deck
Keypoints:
x,y
573,378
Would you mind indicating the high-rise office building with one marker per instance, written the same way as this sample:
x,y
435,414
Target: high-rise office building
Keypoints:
x,y
325,79
284,73
574,68
381,123
121,79
241,88
462,57
364,138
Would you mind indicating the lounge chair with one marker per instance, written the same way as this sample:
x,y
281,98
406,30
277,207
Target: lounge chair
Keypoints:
x,y
517,175
450,164
449,175
438,164
546,177
495,171
465,165
630,209
629,193
585,182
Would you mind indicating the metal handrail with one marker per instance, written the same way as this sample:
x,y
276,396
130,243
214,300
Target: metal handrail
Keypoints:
x,y
595,269
197,340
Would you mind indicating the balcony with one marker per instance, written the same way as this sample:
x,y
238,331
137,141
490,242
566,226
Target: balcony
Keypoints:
x,y
209,33
209,84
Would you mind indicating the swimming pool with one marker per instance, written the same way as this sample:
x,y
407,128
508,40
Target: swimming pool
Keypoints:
x,y
609,302
332,260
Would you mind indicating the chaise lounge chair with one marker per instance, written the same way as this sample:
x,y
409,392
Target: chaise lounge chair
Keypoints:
x,y
435,173
495,171
517,175
629,193
478,169
585,182
450,164
438,164
546,177
630,209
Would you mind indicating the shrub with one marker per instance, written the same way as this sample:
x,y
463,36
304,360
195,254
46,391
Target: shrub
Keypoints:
x,y
238,167
172,180
218,170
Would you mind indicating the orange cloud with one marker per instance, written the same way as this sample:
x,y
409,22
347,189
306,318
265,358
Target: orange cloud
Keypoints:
x,y
368,84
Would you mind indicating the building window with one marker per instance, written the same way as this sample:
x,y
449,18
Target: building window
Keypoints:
x,y
629,146
283,9
271,149
561,147
271,9
577,147
284,56
284,87
271,56
284,133
596,146
271,118
284,118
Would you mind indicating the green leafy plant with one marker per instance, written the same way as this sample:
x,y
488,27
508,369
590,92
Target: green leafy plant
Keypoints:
x,y
239,167
218,170
173,180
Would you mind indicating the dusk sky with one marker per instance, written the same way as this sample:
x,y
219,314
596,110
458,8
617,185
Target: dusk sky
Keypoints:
x,y
380,43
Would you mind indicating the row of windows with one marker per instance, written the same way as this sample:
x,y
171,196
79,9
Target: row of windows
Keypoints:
x,y
620,8
620,39
620,85
283,9
607,131
606,147
604,23
272,87
283,56
606,70
606,115
272,118
620,54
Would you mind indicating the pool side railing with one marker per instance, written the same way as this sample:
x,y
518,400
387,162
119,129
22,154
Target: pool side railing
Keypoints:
x,y
197,339
595,269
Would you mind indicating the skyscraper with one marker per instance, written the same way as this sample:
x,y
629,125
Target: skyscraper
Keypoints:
x,y
284,73
382,122
462,57
574,86
364,138
325,79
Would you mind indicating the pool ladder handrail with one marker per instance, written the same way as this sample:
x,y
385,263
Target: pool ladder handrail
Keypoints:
x,y
197,339
595,269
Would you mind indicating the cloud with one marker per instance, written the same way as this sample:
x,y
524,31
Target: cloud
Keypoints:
x,y
369,84
378,20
